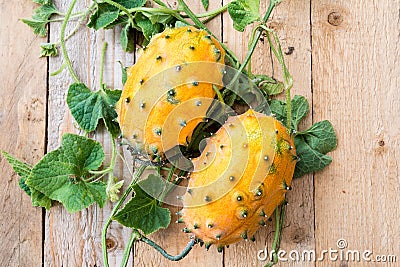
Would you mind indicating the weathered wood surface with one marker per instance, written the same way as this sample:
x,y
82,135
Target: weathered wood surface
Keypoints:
x,y
22,133
345,61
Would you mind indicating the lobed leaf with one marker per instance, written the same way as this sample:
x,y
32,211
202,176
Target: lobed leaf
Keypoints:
x,y
88,107
61,174
143,212
244,12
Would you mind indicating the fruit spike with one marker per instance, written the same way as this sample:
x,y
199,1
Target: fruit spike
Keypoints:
x,y
148,98
244,190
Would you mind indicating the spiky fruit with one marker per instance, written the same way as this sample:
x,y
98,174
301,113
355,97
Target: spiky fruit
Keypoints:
x,y
161,81
239,179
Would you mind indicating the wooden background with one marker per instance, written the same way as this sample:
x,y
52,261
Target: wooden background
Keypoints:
x,y
345,61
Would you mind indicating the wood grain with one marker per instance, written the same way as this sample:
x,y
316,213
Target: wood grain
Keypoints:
x,y
22,131
291,22
345,61
355,85
75,239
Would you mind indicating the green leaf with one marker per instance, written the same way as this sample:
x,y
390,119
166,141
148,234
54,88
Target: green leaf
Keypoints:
x,y
126,39
88,107
104,15
143,211
60,174
48,50
24,171
159,17
40,200
244,12
147,27
205,3
310,159
131,3
269,85
321,137
45,11
312,144
300,108
40,18
124,73
113,187
38,26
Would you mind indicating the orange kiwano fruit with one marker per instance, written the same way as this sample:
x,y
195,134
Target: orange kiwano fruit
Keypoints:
x,y
163,100
239,179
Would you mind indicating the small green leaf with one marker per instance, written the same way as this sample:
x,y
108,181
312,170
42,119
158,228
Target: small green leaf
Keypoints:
x,y
310,159
268,85
321,137
61,173
143,211
104,15
40,18
124,73
126,40
244,12
21,168
300,108
48,50
88,107
38,26
205,3
24,171
147,27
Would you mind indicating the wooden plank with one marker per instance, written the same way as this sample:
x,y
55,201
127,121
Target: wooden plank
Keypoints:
x,y
356,70
291,22
173,239
75,239
22,131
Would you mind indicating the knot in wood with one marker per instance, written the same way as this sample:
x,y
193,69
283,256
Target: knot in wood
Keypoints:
x,y
335,18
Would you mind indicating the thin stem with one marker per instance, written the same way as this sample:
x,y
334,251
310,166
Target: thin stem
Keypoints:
x,y
160,3
212,13
178,257
76,15
103,55
279,220
201,25
137,174
253,45
134,237
62,41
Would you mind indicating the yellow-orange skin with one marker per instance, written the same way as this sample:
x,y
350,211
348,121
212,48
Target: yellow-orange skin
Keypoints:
x,y
225,213
173,47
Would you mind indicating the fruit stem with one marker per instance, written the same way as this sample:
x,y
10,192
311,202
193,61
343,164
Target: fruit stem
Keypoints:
x,y
136,176
279,220
62,41
178,257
